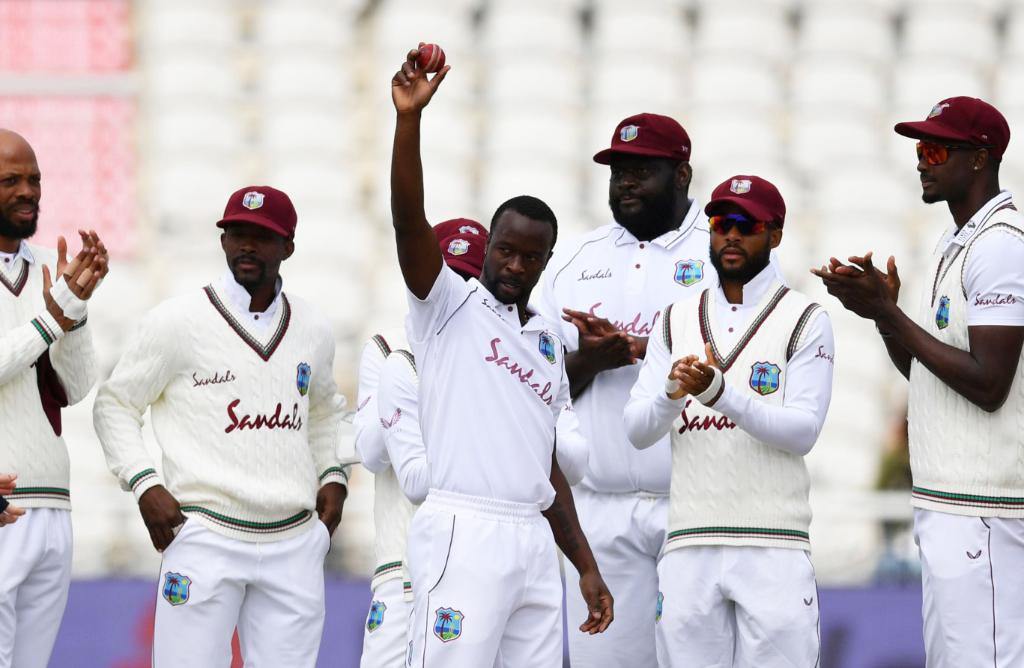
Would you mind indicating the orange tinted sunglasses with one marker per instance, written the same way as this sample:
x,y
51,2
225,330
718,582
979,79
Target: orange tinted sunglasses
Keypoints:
x,y
938,154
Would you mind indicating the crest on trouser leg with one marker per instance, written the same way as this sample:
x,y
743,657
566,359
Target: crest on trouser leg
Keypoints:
x,y
176,588
375,619
448,624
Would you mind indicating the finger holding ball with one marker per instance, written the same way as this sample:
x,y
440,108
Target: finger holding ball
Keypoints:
x,y
431,58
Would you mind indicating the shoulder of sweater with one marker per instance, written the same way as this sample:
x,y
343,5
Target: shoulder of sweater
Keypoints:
x,y
311,315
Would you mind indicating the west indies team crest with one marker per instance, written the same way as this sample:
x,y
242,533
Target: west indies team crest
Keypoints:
x,y
375,619
942,314
176,588
689,272
252,200
448,624
302,374
764,377
547,347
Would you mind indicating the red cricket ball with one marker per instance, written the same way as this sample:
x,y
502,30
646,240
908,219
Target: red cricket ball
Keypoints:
x,y
431,58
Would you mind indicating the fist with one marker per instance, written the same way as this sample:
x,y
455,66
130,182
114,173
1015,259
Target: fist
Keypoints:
x,y
431,58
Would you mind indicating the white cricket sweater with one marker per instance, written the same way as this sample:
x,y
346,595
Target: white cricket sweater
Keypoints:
x,y
41,370
392,511
247,422
965,461
729,488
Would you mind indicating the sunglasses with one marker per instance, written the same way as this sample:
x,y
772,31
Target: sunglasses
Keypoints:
x,y
744,225
938,154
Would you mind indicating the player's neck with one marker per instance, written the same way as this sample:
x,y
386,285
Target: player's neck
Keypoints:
x,y
672,222
8,245
971,203
262,295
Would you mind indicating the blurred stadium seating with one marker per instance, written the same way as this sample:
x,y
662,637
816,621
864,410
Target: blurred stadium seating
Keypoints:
x,y
147,114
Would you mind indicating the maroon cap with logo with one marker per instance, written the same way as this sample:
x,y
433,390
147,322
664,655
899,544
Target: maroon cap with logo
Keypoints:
x,y
648,135
758,197
264,206
962,119
462,242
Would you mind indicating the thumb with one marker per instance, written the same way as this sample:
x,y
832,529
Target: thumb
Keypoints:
x,y
62,252
891,267
709,355
47,283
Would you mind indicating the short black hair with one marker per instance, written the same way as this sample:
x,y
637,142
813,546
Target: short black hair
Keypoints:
x,y
531,207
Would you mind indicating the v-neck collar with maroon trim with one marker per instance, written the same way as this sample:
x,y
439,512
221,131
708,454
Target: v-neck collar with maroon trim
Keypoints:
x,y
708,317
22,277
264,350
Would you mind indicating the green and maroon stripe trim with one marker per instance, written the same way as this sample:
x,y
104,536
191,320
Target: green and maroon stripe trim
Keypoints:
x,y
264,351
385,569
58,493
245,526
334,469
726,362
740,532
798,331
666,327
79,325
969,500
141,477
408,356
382,344
44,331
19,282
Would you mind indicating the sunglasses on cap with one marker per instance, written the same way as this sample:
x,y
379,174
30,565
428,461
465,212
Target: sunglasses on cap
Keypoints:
x,y
938,154
744,225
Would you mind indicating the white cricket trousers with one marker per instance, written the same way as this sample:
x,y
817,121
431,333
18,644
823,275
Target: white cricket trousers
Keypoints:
x,y
972,576
35,572
738,607
625,532
272,592
486,583
385,633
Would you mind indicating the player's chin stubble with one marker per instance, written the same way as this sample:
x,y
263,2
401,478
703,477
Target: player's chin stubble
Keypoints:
x,y
11,230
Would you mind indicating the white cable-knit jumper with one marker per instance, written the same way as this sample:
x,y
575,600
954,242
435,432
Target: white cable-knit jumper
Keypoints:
x,y
247,425
31,344
965,461
728,488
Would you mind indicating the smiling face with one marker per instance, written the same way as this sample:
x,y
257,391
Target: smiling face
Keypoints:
x,y
254,254
518,249
20,188
738,257
643,193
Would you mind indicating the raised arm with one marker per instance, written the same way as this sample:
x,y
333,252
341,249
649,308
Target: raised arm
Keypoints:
x,y
418,254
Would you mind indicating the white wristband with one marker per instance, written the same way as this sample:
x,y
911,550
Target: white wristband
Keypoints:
x,y
73,307
714,389
671,387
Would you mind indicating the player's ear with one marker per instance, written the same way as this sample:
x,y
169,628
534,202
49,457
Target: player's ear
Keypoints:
x,y
684,173
775,236
289,248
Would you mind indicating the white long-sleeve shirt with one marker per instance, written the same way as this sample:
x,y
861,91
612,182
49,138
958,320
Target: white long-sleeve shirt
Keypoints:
x,y
247,421
794,426
42,369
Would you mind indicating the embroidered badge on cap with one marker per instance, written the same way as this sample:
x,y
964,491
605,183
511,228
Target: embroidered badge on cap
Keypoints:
x,y
458,247
689,272
468,229
937,109
547,347
764,377
176,588
375,619
629,133
740,186
302,374
252,200
942,314
448,624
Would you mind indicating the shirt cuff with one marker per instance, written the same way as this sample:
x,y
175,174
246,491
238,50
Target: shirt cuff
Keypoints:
x,y
142,481
709,396
47,327
334,474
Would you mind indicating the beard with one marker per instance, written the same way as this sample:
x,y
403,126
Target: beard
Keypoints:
x,y
249,280
652,220
753,266
11,230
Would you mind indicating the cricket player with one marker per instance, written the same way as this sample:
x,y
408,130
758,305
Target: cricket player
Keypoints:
x,y
46,363
738,587
239,380
492,384
960,348
384,641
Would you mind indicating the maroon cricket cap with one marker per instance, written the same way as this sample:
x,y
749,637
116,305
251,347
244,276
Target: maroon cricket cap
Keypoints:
x,y
758,197
962,119
264,206
650,135
462,242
